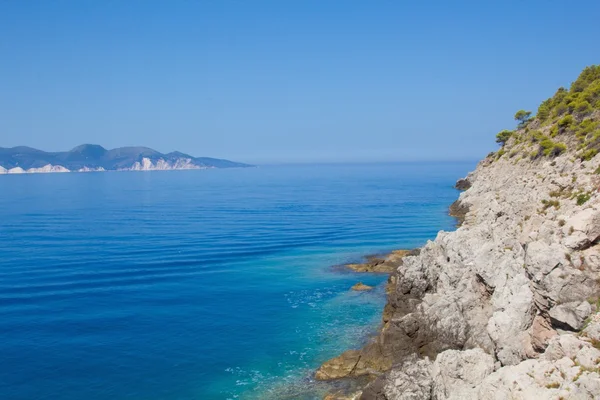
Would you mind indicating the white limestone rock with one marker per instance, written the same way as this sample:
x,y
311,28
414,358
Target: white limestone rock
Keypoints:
x,y
162,165
457,374
570,315
500,291
49,168
88,169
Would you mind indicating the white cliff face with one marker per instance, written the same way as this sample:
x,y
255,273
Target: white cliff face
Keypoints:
x,y
162,165
88,169
494,307
47,169
16,170
145,165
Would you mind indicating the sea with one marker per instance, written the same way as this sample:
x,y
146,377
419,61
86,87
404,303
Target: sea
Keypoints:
x,y
200,284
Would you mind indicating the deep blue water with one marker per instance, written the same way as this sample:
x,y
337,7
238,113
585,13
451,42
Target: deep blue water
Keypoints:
x,y
199,284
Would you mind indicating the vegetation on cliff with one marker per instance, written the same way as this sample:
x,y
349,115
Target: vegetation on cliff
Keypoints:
x,y
568,120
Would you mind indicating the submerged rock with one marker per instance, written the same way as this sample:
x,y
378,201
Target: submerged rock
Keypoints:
x,y
354,363
361,287
342,396
339,367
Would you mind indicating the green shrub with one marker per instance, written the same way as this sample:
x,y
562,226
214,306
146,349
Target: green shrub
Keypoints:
x,y
550,203
564,193
565,121
557,149
534,153
550,148
588,154
586,127
560,109
503,136
546,145
588,75
583,107
593,140
543,111
582,198
537,136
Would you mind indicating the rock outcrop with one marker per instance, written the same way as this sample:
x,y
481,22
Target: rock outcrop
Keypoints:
x,y
361,287
506,305
382,264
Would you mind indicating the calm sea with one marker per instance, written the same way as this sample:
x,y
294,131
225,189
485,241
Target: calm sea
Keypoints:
x,y
212,284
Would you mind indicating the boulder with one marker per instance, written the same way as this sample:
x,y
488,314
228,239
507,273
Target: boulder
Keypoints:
x,y
462,184
457,374
570,316
586,221
410,381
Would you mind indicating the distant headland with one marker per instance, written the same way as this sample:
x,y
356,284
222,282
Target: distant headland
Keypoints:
x,y
91,157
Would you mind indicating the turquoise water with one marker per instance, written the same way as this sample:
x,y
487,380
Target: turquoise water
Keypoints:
x,y
210,284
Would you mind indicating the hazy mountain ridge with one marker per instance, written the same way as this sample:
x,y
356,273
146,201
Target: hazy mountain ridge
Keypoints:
x,y
90,157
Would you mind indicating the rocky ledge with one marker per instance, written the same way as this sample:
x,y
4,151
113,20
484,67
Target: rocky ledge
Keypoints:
x,y
381,264
506,306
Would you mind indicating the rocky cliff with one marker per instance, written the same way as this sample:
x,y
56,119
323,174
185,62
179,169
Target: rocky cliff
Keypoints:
x,y
506,306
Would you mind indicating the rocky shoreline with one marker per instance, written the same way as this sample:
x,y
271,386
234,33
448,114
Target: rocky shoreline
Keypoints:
x,y
500,297
361,365
506,306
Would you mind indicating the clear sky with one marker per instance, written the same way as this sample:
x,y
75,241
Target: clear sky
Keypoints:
x,y
285,81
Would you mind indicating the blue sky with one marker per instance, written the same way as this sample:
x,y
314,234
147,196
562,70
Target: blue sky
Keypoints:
x,y
285,81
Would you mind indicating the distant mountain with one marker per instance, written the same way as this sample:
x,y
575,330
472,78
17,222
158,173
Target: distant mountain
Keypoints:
x,y
92,157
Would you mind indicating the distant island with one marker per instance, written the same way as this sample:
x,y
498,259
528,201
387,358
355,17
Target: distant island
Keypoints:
x,y
91,157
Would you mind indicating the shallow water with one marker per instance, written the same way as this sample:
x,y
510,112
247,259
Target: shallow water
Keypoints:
x,y
199,284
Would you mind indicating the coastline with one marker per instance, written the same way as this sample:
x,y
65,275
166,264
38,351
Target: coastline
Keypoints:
x,y
353,370
505,306
317,315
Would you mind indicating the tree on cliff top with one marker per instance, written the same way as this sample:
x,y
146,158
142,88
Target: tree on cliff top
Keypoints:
x,y
523,117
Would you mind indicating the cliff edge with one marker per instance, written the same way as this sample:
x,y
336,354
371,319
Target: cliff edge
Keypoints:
x,y
507,305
